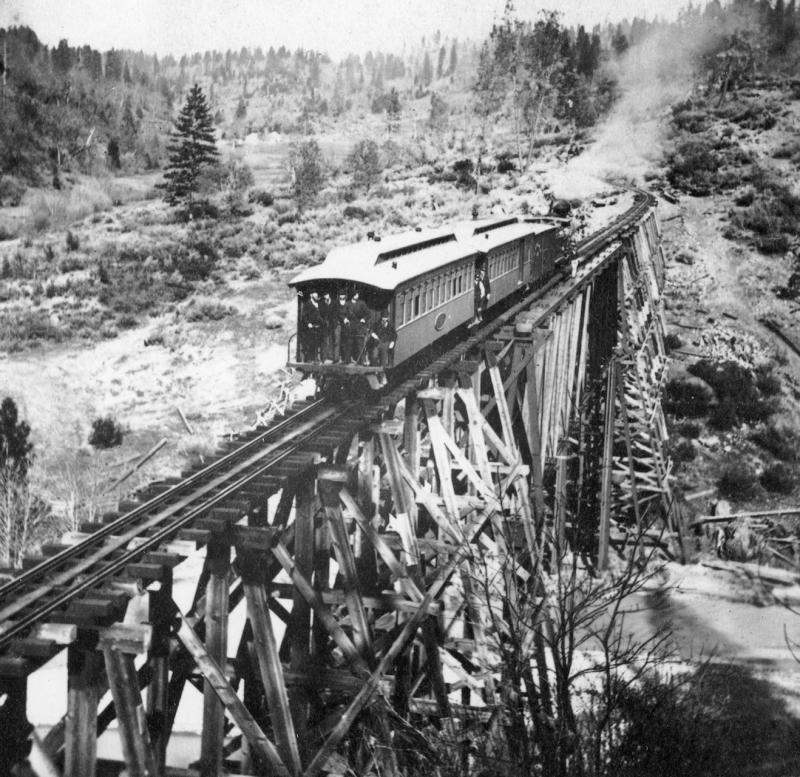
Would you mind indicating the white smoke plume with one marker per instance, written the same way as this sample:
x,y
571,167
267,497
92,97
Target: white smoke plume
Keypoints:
x,y
652,76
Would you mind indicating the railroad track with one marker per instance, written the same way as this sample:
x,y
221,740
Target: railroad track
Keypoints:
x,y
75,571
81,583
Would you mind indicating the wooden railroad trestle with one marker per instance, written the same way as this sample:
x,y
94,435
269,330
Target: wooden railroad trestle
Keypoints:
x,y
359,578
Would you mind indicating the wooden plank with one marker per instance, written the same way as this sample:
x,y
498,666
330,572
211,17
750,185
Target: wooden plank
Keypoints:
x,y
214,675
85,683
126,637
362,636
411,433
60,633
216,622
272,675
401,496
606,468
299,631
442,460
131,722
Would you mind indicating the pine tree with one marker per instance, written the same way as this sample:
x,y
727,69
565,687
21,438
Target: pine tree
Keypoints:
x,y
16,452
393,110
427,70
191,148
308,171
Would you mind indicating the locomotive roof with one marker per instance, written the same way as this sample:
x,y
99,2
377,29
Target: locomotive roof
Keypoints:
x,y
392,260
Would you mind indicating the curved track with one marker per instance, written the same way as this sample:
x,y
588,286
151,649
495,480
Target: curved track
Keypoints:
x,y
44,591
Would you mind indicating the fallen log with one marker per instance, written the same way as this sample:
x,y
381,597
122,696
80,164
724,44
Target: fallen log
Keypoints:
x,y
733,516
147,456
769,574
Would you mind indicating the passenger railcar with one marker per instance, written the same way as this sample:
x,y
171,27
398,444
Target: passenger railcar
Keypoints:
x,y
425,281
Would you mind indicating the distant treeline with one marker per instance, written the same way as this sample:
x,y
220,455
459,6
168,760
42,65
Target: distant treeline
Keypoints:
x,y
77,108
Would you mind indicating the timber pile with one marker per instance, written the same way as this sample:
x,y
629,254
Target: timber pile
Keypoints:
x,y
724,343
771,537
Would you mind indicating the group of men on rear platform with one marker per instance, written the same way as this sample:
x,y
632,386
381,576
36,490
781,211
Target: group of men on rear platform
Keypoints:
x,y
345,331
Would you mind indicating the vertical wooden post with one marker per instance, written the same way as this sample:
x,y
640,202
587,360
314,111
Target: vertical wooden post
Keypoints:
x,y
301,610
411,433
269,665
535,439
15,731
607,467
216,622
161,609
84,681
131,723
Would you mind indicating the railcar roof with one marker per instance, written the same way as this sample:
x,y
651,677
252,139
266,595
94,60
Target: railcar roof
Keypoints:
x,y
387,263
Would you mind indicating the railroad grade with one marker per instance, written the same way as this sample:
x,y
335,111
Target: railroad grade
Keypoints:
x,y
89,584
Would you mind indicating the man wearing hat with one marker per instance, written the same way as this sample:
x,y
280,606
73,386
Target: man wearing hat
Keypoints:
x,y
340,325
381,341
327,311
311,326
358,316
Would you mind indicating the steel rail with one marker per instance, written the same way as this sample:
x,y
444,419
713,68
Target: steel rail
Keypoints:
x,y
196,478
11,629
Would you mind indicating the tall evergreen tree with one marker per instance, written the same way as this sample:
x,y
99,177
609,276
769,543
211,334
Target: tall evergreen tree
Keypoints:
x,y
192,147
16,452
427,70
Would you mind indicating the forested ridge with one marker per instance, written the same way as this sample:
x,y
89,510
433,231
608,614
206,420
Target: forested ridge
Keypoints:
x,y
72,107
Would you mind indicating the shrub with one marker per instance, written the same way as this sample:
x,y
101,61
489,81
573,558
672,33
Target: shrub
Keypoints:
x,y
779,478
72,241
261,197
768,383
690,429
692,166
683,451
738,480
736,389
687,398
672,342
208,311
780,442
355,212
106,433
505,164
723,416
197,263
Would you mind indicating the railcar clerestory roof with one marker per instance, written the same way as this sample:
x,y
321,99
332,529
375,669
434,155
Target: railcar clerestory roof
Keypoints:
x,y
395,259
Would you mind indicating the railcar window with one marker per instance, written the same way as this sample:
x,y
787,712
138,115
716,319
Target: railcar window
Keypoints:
x,y
436,293
416,305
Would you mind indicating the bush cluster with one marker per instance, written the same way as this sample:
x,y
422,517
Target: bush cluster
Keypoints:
x,y
738,395
106,433
738,480
779,478
687,398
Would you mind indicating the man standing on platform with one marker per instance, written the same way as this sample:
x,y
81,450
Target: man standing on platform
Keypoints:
x,y
341,329
358,313
327,310
312,328
382,340
482,293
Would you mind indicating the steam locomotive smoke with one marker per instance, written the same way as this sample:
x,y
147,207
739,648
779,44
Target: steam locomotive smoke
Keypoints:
x,y
651,76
